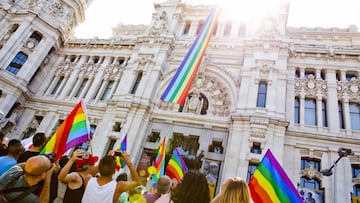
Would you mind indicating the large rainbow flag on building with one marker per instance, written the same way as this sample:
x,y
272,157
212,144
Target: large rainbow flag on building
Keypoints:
x,y
270,184
159,163
176,167
122,147
74,131
179,86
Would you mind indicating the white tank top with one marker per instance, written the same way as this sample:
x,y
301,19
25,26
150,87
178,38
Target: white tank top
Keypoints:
x,y
96,193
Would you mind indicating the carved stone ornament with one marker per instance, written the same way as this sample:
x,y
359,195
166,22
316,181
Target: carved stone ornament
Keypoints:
x,y
57,9
311,173
33,3
160,25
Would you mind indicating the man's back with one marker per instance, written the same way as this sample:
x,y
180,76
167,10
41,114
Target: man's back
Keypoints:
x,y
99,193
14,174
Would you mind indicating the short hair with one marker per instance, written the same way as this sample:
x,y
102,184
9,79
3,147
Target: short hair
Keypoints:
x,y
122,177
107,166
15,147
39,139
163,184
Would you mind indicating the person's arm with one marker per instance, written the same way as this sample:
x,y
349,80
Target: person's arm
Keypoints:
x,y
64,175
45,192
127,185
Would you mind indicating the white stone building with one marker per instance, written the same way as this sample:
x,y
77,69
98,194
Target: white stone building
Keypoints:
x,y
295,91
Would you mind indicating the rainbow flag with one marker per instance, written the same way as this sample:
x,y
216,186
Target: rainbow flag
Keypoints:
x,y
74,131
179,86
122,147
271,184
176,167
159,163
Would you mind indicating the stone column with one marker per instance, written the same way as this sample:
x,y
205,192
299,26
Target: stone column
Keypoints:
x,y
76,87
302,110
73,77
319,118
332,102
347,115
102,88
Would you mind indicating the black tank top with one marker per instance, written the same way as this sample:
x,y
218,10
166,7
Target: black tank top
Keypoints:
x,y
74,196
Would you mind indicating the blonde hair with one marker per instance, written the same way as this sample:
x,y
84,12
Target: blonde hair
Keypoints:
x,y
237,191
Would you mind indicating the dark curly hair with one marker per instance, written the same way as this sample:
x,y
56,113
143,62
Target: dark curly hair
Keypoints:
x,y
193,188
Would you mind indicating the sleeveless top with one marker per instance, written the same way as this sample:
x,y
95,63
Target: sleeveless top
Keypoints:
x,y
74,195
99,193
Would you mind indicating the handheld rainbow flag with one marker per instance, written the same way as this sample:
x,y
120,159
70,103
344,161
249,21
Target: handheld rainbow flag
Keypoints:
x,y
179,86
73,131
271,184
122,147
176,167
159,163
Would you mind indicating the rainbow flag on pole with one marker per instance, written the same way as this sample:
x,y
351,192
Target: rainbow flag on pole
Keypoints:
x,y
271,184
179,86
74,131
176,167
122,147
159,163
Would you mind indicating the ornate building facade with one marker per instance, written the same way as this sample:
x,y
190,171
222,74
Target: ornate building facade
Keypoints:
x,y
295,91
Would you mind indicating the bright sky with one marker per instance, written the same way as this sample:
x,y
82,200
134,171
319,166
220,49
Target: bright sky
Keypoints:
x,y
102,15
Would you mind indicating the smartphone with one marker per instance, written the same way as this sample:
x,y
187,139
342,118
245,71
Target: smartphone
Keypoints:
x,y
118,154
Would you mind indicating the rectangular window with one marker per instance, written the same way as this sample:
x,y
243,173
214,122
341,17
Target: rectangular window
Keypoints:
x,y
310,112
261,99
17,63
256,148
81,88
341,115
111,144
57,85
324,115
297,110
305,181
251,170
354,116
136,84
106,95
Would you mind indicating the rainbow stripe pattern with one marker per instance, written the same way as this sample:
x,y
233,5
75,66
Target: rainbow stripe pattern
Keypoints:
x,y
176,167
122,147
179,86
271,184
74,131
159,163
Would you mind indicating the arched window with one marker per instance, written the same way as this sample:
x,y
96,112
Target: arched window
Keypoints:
x,y
17,63
137,82
201,23
36,36
261,99
187,28
310,112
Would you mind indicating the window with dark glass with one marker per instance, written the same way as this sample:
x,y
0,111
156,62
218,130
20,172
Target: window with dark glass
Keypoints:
x,y
117,127
81,88
310,112
36,37
256,148
297,73
349,76
308,73
322,75
305,181
354,116
297,110
187,28
106,95
110,145
56,87
136,84
355,169
324,115
17,63
338,76
261,99
251,170
341,115
356,191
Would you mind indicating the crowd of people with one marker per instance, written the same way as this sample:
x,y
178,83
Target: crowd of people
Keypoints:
x,y
27,176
